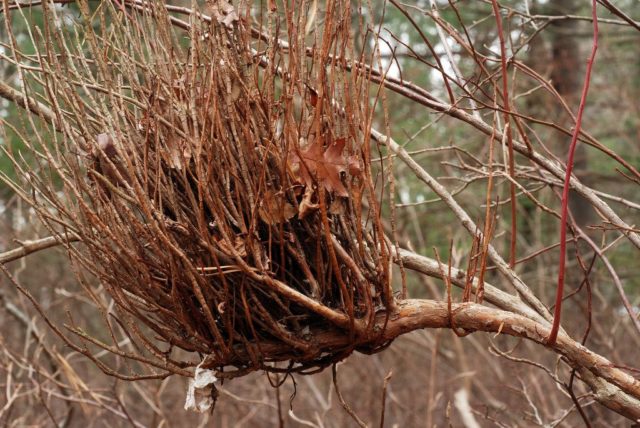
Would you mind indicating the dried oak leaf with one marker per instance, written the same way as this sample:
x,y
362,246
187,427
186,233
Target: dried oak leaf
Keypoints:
x,y
274,209
224,12
307,206
108,162
325,165
237,248
178,152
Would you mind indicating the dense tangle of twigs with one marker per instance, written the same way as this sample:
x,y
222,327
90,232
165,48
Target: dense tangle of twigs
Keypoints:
x,y
226,206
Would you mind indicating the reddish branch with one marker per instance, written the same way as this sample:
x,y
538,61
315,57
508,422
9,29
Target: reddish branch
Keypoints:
x,y
565,192
507,130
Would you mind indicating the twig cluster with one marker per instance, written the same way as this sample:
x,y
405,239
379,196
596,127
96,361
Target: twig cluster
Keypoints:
x,y
220,202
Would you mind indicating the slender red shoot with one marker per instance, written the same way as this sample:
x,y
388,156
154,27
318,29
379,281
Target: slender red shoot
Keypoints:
x,y
507,130
565,191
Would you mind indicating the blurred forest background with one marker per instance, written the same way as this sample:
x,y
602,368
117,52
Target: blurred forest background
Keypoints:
x,y
427,377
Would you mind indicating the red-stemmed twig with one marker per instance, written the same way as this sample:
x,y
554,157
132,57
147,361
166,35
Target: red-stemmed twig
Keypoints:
x,y
565,192
507,130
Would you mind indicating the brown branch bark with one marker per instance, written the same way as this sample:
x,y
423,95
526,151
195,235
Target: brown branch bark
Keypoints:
x,y
29,247
611,386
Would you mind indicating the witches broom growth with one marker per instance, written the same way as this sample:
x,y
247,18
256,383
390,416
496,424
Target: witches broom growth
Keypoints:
x,y
218,182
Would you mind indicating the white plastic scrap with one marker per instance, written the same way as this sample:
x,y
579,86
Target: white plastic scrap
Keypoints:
x,y
200,393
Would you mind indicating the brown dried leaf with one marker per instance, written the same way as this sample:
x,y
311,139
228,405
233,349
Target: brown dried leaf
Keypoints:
x,y
238,247
306,206
325,165
106,145
107,161
355,167
312,96
274,209
337,206
224,12
178,151
236,89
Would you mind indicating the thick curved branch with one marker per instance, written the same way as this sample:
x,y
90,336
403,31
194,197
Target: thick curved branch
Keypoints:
x,y
611,386
492,294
